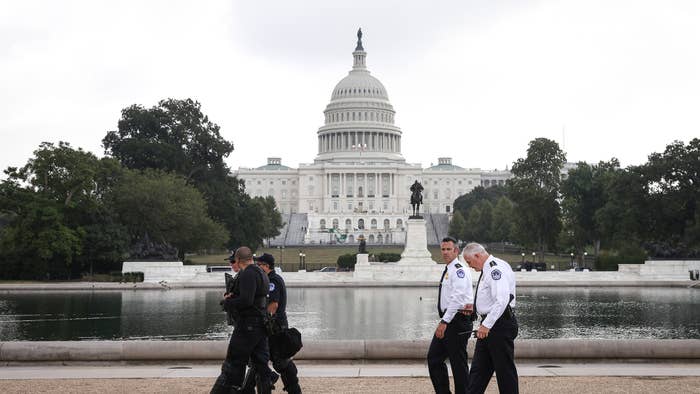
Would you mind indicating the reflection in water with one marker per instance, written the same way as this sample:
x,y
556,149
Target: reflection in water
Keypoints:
x,y
344,313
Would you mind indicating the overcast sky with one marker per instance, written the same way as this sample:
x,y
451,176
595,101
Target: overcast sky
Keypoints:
x,y
474,80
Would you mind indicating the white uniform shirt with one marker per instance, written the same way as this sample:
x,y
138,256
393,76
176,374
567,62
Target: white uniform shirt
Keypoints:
x,y
456,289
494,290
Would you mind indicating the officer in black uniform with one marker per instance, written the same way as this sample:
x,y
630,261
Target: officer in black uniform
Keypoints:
x,y
277,305
249,339
452,332
494,300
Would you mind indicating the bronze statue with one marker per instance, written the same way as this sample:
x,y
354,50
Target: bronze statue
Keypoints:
x,y
416,198
359,40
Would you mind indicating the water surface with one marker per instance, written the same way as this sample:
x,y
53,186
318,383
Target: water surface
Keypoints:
x,y
344,313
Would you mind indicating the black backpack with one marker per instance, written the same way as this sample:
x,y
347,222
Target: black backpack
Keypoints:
x,y
288,342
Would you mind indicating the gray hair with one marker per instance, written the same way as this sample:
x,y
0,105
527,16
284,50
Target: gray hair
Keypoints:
x,y
473,248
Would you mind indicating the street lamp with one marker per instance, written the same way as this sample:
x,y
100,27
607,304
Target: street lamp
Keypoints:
x,y
572,259
523,255
585,254
300,259
533,257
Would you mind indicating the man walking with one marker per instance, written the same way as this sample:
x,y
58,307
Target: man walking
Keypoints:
x,y
452,332
493,302
247,302
277,305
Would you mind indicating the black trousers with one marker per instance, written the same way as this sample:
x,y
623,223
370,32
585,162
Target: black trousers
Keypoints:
x,y
452,346
248,341
496,353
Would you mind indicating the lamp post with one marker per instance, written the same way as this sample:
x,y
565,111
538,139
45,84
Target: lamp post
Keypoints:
x,y
523,260
281,249
572,259
585,254
300,259
533,257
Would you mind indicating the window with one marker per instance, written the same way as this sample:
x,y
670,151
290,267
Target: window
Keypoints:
x,y
371,238
349,206
373,224
447,209
361,224
335,206
322,224
335,224
386,224
435,194
284,182
399,223
348,224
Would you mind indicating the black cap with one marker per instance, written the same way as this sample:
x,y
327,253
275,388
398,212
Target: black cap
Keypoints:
x,y
230,258
267,259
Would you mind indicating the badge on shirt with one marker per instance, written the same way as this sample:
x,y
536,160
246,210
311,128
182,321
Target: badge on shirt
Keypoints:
x,y
272,287
496,274
460,273
447,275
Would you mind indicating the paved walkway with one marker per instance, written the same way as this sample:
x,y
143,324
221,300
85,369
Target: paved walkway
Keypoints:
x,y
316,370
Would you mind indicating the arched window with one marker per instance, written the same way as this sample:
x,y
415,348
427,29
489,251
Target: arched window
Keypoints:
x,y
351,239
399,223
386,224
335,224
380,239
359,192
373,224
371,238
322,224
348,224
361,224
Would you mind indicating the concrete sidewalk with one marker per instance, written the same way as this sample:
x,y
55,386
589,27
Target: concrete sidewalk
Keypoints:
x,y
345,370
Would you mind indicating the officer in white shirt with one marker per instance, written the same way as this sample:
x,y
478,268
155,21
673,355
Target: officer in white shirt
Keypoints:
x,y
452,333
494,300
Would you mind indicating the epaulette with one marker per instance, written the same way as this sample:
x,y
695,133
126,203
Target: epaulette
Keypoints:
x,y
493,263
458,265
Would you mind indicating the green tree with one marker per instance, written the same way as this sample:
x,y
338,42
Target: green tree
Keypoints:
x,y
673,181
478,225
165,208
465,202
535,192
68,183
271,221
583,194
457,225
502,220
173,136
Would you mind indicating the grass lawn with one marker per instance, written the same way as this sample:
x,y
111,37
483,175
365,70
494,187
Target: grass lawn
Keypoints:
x,y
318,257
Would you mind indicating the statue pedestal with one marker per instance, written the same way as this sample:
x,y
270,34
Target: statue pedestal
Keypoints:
x,y
416,251
362,259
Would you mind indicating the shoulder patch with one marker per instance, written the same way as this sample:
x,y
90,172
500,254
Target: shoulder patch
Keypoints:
x,y
496,274
458,265
493,263
272,286
460,273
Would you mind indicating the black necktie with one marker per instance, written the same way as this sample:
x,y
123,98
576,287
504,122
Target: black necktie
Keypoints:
x,y
440,312
476,292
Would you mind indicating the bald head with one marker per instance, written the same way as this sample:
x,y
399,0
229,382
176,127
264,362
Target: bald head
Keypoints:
x,y
243,255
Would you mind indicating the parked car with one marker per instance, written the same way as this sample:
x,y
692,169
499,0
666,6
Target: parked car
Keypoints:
x,y
328,269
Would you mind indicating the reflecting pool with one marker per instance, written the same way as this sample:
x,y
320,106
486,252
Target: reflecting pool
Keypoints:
x,y
344,313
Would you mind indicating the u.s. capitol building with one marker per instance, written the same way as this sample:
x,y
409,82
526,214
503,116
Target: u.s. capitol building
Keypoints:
x,y
358,184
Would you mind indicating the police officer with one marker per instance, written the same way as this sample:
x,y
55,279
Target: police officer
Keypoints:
x,y
452,332
493,302
277,305
249,339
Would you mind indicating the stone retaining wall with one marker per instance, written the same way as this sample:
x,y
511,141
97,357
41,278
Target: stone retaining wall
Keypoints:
x,y
564,349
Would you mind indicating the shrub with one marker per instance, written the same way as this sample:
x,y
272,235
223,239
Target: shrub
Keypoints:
x,y
347,260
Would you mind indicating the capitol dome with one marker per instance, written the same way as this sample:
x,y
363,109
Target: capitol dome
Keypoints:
x,y
359,120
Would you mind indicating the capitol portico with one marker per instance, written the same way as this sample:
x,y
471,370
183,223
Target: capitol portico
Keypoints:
x,y
358,184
